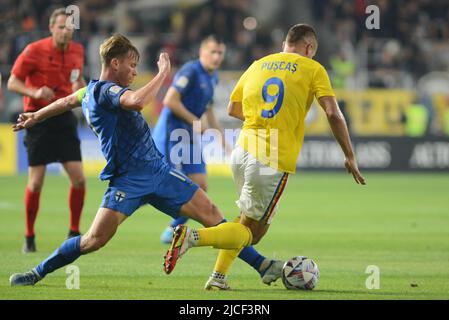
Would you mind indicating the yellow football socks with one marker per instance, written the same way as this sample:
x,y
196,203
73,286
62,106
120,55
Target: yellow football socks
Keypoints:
x,y
228,235
226,257
225,260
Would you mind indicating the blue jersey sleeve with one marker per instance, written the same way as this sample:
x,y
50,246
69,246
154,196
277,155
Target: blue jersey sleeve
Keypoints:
x,y
184,79
109,97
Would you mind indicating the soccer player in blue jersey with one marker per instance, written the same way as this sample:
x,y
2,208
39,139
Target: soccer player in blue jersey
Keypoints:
x,y
138,174
187,100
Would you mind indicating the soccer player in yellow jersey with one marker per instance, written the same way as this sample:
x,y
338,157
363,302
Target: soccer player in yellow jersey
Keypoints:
x,y
272,99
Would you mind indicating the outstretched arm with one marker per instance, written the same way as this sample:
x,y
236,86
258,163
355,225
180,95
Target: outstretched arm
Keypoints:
x,y
29,119
339,128
137,100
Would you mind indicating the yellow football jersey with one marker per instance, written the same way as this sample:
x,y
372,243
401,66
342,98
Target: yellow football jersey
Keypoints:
x,y
276,93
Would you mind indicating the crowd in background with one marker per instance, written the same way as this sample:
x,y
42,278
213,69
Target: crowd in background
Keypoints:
x,y
412,40
223,18
406,41
177,30
413,37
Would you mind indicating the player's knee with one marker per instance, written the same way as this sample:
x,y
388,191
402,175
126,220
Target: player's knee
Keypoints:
x,y
79,182
91,243
34,186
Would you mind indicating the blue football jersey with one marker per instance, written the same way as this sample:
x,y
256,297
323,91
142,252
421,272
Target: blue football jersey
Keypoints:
x,y
196,86
124,135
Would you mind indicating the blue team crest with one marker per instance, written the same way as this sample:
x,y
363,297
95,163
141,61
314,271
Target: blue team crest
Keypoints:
x,y
120,196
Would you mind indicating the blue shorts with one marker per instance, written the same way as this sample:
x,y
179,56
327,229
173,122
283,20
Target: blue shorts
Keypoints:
x,y
190,163
186,155
193,168
167,191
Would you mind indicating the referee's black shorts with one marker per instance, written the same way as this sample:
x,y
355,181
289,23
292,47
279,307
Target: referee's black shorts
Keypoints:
x,y
54,140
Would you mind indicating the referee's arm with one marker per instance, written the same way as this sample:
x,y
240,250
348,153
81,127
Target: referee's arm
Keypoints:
x,y
18,85
29,119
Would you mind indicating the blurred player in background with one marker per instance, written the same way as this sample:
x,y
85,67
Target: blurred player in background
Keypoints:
x,y
276,92
137,172
47,70
187,100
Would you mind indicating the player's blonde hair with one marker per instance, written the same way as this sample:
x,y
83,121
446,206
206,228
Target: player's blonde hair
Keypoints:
x,y
116,46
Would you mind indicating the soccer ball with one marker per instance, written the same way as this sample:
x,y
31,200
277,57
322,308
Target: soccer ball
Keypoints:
x,y
300,273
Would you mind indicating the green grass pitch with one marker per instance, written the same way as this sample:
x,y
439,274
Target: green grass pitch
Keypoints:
x,y
397,222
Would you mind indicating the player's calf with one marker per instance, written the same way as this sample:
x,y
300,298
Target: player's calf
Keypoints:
x,y
91,243
201,209
258,228
102,230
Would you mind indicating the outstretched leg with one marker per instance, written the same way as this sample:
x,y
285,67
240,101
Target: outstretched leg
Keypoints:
x,y
259,196
101,231
167,235
227,257
228,235
268,269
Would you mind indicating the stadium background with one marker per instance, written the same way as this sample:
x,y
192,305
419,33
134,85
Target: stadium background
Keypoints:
x,y
392,85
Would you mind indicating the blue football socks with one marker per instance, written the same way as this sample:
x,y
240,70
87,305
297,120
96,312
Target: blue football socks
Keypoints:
x,y
68,252
176,222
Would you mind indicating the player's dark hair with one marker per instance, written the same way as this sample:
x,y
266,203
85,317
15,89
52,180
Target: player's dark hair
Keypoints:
x,y
212,37
116,46
56,13
299,32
